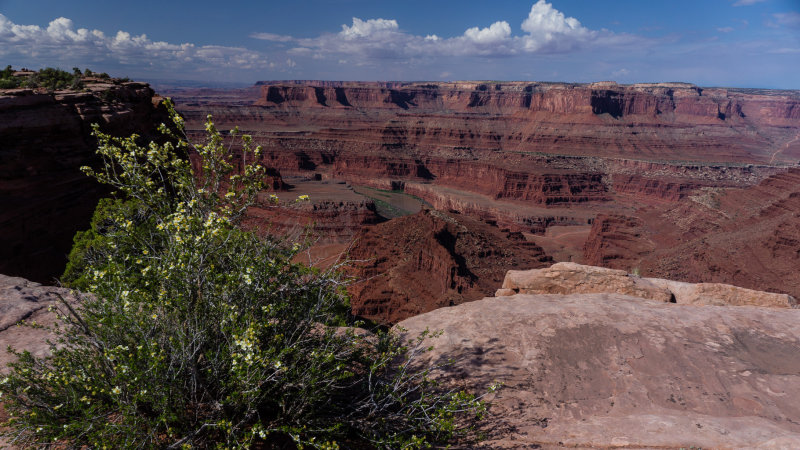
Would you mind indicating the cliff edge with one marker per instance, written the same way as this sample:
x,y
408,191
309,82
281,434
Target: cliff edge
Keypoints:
x,y
584,369
44,139
594,357
612,370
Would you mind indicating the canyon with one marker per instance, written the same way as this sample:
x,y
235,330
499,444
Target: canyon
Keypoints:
x,y
748,236
621,257
417,263
657,178
613,175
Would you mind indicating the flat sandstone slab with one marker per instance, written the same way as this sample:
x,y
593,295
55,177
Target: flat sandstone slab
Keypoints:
x,y
597,370
24,300
572,278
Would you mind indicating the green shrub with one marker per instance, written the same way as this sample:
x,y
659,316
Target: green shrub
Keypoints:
x,y
7,78
8,83
53,80
48,78
88,246
199,334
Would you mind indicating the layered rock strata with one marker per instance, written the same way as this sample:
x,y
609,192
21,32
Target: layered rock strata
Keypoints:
x,y
431,259
532,142
329,212
44,140
748,237
324,222
675,101
529,156
506,215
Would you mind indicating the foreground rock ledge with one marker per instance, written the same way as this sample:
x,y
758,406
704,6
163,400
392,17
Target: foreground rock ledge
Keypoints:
x,y
583,370
24,300
608,370
572,278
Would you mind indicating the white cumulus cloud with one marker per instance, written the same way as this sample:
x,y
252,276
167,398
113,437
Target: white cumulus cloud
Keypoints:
x,y
544,30
497,32
271,37
549,30
62,42
368,28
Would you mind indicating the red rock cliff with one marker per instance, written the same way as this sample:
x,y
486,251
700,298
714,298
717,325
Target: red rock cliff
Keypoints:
x,y
533,156
748,237
44,139
414,264
672,102
529,142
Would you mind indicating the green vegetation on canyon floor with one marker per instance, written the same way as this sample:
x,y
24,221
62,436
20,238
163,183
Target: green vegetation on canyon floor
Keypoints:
x,y
194,333
391,204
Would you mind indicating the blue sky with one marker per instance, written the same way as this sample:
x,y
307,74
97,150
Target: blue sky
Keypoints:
x,y
746,43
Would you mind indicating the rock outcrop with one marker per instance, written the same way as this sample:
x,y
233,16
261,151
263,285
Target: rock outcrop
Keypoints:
x,y
720,294
749,237
24,300
327,221
331,212
570,278
431,259
608,371
44,140
615,240
21,301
